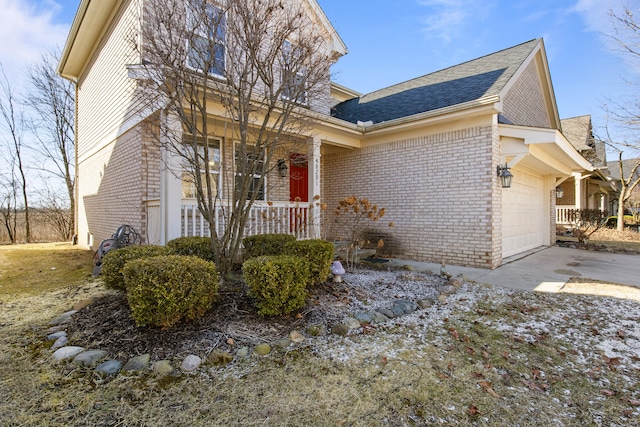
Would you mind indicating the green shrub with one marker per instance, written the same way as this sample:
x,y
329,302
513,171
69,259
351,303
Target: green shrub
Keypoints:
x,y
196,246
115,260
266,244
166,289
277,283
318,252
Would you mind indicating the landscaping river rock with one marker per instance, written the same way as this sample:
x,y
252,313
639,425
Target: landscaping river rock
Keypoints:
x,y
98,359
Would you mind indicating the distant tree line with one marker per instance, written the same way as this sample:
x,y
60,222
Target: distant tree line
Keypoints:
x,y
37,140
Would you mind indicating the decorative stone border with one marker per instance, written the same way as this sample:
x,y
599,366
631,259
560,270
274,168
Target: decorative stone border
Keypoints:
x,y
97,358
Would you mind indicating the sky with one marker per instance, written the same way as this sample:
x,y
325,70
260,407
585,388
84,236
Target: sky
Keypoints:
x,y
393,41
390,42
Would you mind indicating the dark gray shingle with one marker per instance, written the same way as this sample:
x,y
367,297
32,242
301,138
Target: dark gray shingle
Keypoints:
x,y
455,85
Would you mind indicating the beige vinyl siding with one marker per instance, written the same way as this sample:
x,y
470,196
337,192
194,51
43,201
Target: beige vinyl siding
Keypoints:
x,y
105,92
524,103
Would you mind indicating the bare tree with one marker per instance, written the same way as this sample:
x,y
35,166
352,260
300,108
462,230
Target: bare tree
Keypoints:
x,y
55,212
626,35
626,170
14,125
245,68
52,99
629,180
8,203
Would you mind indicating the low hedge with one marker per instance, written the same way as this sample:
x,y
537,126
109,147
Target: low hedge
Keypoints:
x,y
266,244
318,252
115,260
194,245
163,290
278,284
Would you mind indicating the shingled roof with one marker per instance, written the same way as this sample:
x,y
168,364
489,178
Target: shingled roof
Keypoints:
x,y
627,166
578,131
472,80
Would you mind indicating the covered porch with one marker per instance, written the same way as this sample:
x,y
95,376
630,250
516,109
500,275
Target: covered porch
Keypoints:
x,y
290,199
589,190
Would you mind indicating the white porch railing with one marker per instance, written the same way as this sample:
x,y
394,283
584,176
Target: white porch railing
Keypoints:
x,y
264,217
564,214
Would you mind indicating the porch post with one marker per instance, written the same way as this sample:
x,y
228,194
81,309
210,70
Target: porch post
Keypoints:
x,y
170,182
577,177
314,188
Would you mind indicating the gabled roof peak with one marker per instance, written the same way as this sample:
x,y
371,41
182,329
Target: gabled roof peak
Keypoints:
x,y
471,80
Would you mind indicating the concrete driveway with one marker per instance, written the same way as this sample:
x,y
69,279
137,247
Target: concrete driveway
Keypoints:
x,y
549,269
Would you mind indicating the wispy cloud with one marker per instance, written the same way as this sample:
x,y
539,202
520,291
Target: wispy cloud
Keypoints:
x,y
597,17
27,29
596,13
448,19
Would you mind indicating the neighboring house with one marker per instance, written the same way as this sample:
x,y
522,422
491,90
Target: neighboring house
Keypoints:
x,y
427,150
584,189
633,203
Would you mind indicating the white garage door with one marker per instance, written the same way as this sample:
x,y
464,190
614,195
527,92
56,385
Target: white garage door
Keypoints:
x,y
523,213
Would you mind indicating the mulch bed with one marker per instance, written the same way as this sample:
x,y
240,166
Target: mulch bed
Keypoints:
x,y
233,322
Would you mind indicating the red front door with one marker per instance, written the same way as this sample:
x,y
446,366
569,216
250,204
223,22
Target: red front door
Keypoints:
x,y
298,178
298,192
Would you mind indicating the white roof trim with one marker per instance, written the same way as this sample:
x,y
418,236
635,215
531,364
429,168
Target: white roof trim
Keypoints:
x,y
550,138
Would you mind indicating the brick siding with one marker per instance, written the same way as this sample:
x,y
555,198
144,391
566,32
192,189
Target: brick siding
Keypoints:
x,y
438,190
113,182
524,103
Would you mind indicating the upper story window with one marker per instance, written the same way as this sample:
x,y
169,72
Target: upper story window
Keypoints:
x,y
206,49
197,157
293,75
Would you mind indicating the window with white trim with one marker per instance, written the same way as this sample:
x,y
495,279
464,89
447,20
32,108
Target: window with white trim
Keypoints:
x,y
189,185
252,164
293,75
206,48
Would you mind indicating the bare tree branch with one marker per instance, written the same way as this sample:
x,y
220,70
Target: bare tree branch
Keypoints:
x,y
52,98
14,124
246,70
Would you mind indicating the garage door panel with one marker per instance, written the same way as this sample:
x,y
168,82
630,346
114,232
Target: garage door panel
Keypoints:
x,y
522,214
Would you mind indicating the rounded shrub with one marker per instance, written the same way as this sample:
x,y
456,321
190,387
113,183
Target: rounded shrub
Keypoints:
x,y
318,252
266,244
163,290
278,284
115,260
193,245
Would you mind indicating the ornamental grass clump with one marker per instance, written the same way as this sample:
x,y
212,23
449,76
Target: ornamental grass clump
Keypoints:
x,y
318,252
164,290
278,284
192,245
115,260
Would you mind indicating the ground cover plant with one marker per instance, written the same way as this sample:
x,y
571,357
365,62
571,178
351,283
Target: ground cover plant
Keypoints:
x,y
485,356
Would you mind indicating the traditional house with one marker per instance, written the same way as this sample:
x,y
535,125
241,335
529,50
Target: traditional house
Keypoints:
x,y
633,203
589,189
432,151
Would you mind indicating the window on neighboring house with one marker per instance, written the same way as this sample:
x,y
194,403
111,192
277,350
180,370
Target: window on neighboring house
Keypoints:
x,y
206,49
244,168
189,185
293,75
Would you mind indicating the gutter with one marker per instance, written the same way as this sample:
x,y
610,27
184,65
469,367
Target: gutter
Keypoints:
x,y
73,35
482,102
